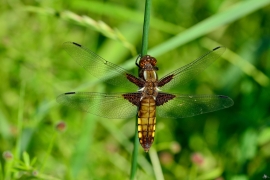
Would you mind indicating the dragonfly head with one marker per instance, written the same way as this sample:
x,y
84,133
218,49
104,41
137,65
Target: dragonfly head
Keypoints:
x,y
147,61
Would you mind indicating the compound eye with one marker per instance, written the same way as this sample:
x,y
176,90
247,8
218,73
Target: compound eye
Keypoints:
x,y
142,64
153,61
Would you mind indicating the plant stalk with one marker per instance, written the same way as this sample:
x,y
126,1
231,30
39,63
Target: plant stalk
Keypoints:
x,y
143,52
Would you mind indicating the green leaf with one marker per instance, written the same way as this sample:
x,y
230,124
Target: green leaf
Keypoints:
x,y
26,159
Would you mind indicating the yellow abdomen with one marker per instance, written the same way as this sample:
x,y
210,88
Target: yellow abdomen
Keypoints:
x,y
147,122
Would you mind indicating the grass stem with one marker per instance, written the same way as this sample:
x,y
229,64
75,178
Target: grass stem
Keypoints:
x,y
143,52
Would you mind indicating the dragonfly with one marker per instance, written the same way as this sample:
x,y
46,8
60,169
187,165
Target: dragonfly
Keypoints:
x,y
145,99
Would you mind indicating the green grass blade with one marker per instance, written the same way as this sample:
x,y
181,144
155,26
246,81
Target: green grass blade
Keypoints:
x,y
146,25
1,171
20,120
156,164
83,144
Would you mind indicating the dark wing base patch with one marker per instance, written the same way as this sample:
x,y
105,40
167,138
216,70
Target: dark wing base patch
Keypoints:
x,y
165,80
163,98
134,98
135,80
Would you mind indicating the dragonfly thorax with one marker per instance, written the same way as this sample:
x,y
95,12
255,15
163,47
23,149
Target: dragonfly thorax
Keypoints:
x,y
150,89
150,75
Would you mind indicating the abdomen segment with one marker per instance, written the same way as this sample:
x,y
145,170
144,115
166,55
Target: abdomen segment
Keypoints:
x,y
147,122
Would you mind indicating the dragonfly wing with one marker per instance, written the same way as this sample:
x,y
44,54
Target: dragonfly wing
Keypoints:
x,y
186,73
97,66
182,106
112,106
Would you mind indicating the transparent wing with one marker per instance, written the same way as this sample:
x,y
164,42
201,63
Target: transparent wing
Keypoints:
x,y
186,73
97,66
112,106
191,105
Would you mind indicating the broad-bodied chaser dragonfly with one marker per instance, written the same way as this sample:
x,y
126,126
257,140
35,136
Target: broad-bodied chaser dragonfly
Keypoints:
x,y
148,100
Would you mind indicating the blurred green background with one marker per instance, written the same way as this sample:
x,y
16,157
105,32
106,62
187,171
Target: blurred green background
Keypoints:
x,y
229,144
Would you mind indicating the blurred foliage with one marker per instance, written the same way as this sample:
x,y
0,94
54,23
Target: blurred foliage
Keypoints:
x,y
229,144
